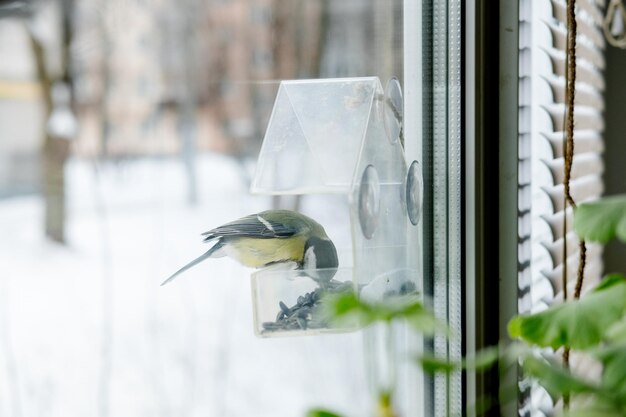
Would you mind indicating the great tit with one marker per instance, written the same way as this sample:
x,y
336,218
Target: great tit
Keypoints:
x,y
273,237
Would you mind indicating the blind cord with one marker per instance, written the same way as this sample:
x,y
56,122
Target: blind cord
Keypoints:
x,y
570,87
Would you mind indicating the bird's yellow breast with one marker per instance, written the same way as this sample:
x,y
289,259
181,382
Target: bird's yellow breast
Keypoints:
x,y
257,253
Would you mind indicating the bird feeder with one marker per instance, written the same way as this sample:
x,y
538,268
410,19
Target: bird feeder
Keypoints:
x,y
340,136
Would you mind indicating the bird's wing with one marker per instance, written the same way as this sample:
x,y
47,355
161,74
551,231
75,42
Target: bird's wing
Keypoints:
x,y
255,226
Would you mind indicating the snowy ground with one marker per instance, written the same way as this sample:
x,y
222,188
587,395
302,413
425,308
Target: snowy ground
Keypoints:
x,y
85,329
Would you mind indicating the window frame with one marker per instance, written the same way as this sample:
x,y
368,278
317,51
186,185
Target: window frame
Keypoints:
x,y
491,190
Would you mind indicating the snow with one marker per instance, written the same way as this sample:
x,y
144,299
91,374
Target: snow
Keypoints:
x,y
86,330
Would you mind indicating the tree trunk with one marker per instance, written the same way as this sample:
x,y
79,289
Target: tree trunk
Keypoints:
x,y
55,153
188,107
53,156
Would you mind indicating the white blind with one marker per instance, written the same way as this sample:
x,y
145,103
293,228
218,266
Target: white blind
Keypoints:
x,y
542,209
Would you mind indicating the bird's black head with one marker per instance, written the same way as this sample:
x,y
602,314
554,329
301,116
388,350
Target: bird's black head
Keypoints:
x,y
320,254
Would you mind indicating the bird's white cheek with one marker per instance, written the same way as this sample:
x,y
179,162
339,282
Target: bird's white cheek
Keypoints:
x,y
310,263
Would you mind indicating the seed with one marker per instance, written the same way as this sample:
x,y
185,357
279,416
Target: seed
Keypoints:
x,y
301,322
304,312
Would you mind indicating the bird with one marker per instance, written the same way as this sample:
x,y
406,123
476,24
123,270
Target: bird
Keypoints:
x,y
273,237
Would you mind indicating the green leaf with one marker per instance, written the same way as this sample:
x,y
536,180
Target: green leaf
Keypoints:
x,y
580,324
608,282
341,308
432,364
344,309
321,413
594,410
617,332
483,359
556,379
424,322
602,220
347,307
613,358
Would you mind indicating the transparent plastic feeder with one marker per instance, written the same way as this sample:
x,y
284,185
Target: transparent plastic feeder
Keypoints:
x,y
341,136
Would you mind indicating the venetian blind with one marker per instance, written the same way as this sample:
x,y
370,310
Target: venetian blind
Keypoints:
x,y
545,223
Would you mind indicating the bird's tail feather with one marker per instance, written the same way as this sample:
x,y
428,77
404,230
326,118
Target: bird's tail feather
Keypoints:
x,y
195,262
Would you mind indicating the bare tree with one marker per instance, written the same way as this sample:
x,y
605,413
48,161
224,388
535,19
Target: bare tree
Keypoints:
x,y
183,63
192,15
105,82
297,27
58,132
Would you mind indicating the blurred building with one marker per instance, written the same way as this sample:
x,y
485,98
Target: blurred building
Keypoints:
x,y
21,110
167,78
145,70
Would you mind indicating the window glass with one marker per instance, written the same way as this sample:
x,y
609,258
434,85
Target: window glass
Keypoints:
x,y
128,129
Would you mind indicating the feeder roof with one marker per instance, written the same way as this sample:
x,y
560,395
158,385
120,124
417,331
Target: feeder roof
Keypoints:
x,y
315,135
